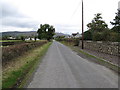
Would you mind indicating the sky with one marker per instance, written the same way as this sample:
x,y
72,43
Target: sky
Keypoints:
x,y
64,15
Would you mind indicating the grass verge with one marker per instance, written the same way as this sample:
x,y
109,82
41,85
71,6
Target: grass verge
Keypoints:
x,y
10,40
17,72
98,60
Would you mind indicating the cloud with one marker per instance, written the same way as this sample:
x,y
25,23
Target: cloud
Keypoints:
x,y
67,28
9,10
11,17
19,22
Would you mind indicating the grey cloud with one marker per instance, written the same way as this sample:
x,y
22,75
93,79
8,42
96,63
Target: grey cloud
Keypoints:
x,y
67,26
9,10
12,17
19,22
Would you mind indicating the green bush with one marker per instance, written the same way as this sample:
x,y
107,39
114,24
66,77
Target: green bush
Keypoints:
x,y
76,42
88,35
97,36
115,37
105,35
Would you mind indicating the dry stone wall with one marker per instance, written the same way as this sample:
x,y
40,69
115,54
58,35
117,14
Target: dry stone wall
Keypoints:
x,y
112,48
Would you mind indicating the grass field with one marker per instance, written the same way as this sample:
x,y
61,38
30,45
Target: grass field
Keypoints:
x,y
16,73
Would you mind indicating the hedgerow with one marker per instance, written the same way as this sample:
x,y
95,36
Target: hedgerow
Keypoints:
x,y
11,52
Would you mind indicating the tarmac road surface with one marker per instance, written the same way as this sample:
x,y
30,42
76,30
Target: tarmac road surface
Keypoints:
x,y
63,68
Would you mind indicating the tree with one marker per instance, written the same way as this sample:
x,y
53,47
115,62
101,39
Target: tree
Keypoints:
x,y
97,24
5,37
114,37
88,35
97,36
116,22
98,29
60,38
35,38
46,31
22,38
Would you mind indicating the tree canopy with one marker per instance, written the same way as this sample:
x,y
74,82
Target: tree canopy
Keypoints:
x,y
97,23
98,30
116,22
46,31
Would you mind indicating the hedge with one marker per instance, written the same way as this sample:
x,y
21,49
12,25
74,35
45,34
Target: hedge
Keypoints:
x,y
71,41
11,52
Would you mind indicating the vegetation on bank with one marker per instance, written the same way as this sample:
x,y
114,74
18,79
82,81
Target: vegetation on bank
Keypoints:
x,y
11,52
10,40
19,60
70,41
16,72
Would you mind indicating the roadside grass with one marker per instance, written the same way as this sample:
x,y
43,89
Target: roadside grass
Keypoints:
x,y
16,73
31,41
99,60
20,40
10,40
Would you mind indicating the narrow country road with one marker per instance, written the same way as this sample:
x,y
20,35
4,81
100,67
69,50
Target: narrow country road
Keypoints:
x,y
63,68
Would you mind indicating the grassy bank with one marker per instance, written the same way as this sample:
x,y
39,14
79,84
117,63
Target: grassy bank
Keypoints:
x,y
19,40
96,59
10,40
16,73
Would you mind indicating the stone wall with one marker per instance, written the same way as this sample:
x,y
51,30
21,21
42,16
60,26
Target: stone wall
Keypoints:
x,y
112,48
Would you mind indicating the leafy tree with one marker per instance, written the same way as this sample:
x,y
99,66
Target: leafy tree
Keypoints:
x,y
18,38
5,37
105,35
88,35
98,29
30,38
97,24
114,36
60,38
97,36
116,22
46,31
22,38
35,38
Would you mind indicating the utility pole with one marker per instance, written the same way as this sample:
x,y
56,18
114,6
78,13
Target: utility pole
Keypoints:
x,y
82,27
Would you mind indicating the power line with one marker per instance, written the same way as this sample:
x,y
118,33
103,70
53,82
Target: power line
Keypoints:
x,y
76,9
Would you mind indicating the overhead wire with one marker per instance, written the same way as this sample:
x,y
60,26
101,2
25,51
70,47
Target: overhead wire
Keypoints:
x,y
76,9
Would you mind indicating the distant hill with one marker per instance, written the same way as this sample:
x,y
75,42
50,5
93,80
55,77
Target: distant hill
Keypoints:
x,y
61,34
28,33
17,33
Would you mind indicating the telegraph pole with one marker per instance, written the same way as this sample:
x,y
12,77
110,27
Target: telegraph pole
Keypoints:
x,y
82,27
